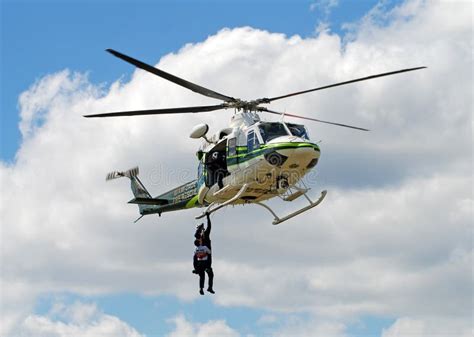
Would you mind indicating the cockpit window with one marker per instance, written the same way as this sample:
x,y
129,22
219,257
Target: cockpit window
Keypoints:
x,y
268,131
298,130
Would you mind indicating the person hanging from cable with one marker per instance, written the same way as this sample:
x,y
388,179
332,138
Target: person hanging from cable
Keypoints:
x,y
202,259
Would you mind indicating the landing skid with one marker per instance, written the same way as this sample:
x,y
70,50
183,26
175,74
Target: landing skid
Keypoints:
x,y
212,207
312,204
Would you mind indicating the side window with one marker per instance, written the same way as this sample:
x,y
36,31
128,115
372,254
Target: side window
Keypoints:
x,y
231,147
250,141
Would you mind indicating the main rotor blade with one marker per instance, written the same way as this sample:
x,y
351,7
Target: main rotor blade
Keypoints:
x,y
191,109
172,78
313,119
268,100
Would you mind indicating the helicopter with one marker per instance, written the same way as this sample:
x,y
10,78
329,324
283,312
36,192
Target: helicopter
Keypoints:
x,y
248,162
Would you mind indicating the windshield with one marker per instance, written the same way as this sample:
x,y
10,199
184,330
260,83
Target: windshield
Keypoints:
x,y
272,130
298,130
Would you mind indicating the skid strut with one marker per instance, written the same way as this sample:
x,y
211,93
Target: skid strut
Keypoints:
x,y
312,204
211,209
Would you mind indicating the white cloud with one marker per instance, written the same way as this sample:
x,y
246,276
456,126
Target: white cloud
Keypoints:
x,y
313,328
185,328
392,238
324,6
16,302
434,327
80,319
323,9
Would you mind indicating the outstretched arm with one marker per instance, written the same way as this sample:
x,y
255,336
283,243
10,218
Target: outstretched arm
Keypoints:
x,y
208,228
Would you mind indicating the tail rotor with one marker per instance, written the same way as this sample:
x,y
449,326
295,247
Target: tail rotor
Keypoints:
x,y
133,172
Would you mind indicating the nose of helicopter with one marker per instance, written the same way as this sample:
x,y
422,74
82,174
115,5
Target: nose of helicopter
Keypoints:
x,y
293,153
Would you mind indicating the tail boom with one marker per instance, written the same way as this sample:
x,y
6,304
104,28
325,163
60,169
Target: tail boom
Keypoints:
x,y
182,197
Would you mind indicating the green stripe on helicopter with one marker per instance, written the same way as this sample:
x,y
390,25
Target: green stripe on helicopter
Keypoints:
x,y
192,202
278,146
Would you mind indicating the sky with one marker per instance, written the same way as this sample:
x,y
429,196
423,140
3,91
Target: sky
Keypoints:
x,y
388,253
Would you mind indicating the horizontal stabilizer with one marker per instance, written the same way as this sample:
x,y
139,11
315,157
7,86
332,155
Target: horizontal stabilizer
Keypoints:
x,y
148,201
129,173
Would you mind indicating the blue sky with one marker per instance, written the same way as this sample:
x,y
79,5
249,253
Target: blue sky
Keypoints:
x,y
42,37
375,260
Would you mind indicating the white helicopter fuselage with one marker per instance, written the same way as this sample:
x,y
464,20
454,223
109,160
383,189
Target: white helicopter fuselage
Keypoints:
x,y
268,158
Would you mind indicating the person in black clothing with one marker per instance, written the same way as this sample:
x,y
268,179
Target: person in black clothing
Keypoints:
x,y
216,166
203,256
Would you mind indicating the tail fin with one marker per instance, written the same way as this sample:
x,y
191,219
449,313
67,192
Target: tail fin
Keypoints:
x,y
139,191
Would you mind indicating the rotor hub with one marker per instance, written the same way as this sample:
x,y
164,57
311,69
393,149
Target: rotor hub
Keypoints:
x,y
251,106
